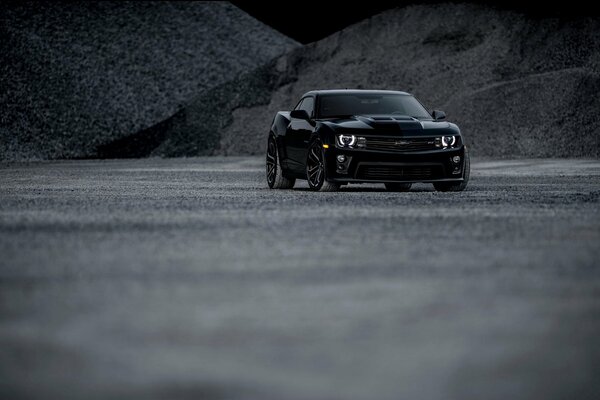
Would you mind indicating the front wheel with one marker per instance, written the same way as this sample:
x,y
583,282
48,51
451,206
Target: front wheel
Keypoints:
x,y
460,186
275,178
316,172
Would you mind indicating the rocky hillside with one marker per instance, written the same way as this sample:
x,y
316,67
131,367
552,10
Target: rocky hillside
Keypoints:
x,y
516,86
78,77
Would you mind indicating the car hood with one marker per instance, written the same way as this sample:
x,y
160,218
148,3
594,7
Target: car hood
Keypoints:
x,y
390,124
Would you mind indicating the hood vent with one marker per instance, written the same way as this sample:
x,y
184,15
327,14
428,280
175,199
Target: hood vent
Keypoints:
x,y
392,123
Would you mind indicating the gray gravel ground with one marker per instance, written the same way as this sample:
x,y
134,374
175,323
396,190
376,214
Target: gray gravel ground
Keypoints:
x,y
187,278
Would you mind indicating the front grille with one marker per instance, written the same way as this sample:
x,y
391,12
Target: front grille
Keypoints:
x,y
395,172
400,144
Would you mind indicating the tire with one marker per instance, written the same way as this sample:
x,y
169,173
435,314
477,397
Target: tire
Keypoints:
x,y
460,186
398,187
316,171
275,178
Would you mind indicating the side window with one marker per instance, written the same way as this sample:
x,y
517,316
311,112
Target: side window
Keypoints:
x,y
308,104
299,105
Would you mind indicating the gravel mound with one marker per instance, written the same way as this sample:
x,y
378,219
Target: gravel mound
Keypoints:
x,y
76,77
518,87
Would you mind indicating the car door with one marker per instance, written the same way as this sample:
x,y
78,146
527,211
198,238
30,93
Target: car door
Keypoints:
x,y
298,134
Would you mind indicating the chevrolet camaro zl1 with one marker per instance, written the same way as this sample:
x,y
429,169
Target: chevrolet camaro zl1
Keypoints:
x,y
338,137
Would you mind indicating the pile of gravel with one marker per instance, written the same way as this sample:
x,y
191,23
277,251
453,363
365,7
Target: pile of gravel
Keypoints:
x,y
76,77
516,86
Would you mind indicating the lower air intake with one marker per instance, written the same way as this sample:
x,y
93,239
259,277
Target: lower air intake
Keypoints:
x,y
391,173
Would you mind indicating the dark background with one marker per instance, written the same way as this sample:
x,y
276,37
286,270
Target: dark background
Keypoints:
x,y
172,79
314,20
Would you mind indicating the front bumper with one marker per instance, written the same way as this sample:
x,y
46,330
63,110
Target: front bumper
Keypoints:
x,y
379,166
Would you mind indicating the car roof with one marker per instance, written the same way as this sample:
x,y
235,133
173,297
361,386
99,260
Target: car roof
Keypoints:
x,y
352,91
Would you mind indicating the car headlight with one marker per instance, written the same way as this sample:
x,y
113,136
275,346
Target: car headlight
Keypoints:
x,y
448,141
346,140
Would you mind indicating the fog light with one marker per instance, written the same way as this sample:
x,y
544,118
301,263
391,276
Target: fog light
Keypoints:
x,y
341,158
455,159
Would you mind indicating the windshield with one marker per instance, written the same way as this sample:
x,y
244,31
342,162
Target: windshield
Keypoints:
x,y
347,104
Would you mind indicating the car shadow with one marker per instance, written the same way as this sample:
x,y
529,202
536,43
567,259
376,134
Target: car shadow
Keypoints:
x,y
371,189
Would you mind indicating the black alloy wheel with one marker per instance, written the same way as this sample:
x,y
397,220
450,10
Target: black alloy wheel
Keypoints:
x,y
316,173
275,178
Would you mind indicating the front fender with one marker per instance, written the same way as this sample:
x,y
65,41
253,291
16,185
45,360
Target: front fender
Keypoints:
x,y
325,134
280,123
278,130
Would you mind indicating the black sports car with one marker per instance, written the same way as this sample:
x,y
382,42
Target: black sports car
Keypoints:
x,y
336,137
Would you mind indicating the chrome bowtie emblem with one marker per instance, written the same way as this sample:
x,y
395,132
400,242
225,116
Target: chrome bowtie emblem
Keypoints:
x,y
401,143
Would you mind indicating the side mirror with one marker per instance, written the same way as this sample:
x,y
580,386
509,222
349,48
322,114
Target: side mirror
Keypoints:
x,y
438,115
300,114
